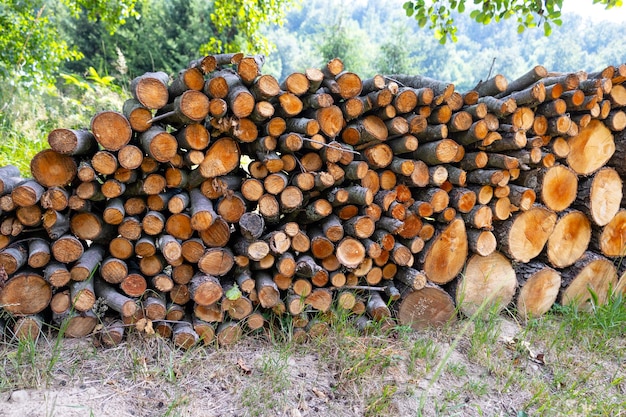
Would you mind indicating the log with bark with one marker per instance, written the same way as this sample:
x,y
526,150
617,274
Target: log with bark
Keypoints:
x,y
226,192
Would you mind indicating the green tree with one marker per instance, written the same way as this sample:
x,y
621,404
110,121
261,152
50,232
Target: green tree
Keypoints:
x,y
437,14
345,40
30,47
166,37
394,56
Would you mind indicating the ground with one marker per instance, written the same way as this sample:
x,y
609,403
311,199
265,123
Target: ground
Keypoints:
x,y
492,367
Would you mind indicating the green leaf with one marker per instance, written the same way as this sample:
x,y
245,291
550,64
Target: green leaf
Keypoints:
x,y
520,29
461,7
408,8
233,293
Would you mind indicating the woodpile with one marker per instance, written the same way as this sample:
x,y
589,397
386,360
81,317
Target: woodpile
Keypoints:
x,y
221,200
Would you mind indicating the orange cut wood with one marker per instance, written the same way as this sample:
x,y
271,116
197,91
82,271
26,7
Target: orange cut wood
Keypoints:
x,y
221,158
445,254
591,148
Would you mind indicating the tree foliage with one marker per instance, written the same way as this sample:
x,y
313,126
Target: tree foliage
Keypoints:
x,y
437,14
236,24
112,14
30,47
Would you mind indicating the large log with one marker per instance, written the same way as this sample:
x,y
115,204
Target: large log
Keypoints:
x,y
588,279
429,306
25,293
539,288
523,237
488,282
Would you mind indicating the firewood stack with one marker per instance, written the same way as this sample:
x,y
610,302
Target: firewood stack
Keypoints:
x,y
221,199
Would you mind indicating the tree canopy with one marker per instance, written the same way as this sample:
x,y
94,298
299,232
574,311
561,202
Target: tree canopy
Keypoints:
x,y
437,14
30,47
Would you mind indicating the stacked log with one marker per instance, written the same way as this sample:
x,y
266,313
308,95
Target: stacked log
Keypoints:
x,y
220,198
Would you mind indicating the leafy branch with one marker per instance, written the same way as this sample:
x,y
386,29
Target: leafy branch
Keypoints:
x,y
437,14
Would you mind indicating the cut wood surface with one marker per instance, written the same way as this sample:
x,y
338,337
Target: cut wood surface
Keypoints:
x,y
487,279
539,288
227,193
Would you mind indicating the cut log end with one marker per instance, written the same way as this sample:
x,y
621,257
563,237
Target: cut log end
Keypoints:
x,y
430,306
488,280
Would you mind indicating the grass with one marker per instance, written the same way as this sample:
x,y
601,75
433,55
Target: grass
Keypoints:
x,y
489,366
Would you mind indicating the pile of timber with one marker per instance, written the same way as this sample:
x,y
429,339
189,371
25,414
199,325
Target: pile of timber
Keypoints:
x,y
220,200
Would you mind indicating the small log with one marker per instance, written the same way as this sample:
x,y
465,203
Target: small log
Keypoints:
x,y
350,252
159,144
76,324
67,249
217,235
111,334
205,331
28,328
610,239
150,89
25,293
205,289
320,299
600,196
221,158
216,261
86,266
229,333
266,290
412,278
113,270
52,169
308,268
594,136
72,142
183,335
135,284
569,239
137,114
376,307
126,306
202,213
82,295
237,308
